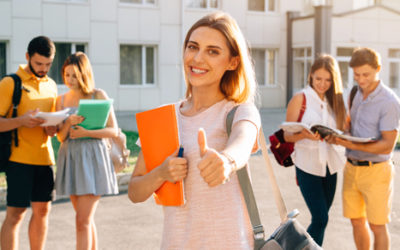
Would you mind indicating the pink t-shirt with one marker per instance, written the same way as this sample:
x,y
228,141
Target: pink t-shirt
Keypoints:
x,y
212,217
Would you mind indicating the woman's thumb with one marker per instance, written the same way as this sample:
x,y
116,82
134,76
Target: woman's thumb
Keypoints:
x,y
202,140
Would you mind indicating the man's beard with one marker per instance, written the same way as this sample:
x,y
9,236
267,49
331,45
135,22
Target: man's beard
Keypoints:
x,y
34,72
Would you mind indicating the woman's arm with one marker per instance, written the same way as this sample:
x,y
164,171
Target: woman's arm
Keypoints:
x,y
216,167
111,129
292,115
143,184
63,128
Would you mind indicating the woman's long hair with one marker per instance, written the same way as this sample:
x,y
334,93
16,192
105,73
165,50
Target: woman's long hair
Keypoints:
x,y
82,69
334,94
238,85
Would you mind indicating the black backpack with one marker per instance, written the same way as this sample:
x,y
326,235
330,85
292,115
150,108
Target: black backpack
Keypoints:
x,y
6,137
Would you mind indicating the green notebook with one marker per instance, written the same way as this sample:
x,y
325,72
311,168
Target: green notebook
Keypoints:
x,y
95,112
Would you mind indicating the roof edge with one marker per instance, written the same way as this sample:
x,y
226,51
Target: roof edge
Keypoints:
x,y
353,12
366,8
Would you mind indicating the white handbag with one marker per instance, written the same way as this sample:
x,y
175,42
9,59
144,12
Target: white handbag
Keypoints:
x,y
119,152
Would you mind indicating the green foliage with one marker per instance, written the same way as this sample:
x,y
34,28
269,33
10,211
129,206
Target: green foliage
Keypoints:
x,y
131,138
398,143
56,146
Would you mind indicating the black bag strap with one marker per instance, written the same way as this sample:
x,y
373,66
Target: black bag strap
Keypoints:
x,y
247,190
15,101
353,93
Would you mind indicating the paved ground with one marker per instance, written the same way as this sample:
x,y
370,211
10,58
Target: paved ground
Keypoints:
x,y
124,225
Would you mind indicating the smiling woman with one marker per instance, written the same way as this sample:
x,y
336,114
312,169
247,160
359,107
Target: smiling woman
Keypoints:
x,y
219,75
207,58
317,162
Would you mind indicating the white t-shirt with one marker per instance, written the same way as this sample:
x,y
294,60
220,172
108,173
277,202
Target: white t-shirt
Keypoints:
x,y
212,217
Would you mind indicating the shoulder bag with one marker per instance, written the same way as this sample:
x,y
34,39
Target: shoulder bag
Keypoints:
x,y
290,234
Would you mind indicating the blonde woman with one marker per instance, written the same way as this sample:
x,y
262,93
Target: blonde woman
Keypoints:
x,y
84,167
219,75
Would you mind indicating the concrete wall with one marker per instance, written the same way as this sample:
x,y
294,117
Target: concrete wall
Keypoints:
x,y
370,28
105,24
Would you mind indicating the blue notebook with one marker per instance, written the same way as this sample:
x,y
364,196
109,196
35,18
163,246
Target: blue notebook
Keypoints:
x,y
95,111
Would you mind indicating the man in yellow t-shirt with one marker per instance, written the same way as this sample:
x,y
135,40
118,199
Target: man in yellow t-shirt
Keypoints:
x,y
30,178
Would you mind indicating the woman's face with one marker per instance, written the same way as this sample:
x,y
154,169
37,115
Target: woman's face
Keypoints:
x,y
207,57
70,77
321,81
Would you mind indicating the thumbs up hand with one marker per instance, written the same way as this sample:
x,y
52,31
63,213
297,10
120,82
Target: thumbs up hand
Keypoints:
x,y
214,167
174,168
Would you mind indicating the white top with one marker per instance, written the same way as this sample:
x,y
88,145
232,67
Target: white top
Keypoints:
x,y
212,217
313,156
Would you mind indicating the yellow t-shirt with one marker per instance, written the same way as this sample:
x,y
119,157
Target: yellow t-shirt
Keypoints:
x,y
34,146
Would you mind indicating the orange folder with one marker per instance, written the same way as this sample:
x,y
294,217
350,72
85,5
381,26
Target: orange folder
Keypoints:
x,y
158,133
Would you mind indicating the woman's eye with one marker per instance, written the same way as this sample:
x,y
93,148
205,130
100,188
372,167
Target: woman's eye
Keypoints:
x,y
191,47
213,52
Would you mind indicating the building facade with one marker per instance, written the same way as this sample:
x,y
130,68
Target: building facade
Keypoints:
x,y
135,46
370,25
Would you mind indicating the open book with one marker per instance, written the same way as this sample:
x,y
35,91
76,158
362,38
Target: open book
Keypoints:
x,y
294,127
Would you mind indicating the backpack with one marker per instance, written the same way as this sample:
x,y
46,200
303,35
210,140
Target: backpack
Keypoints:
x,y
6,137
353,93
118,151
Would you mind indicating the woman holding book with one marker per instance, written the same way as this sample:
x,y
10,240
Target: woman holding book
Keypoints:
x,y
84,167
219,75
317,162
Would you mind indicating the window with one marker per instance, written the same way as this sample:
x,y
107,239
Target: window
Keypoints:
x,y
205,4
144,2
302,58
343,56
137,64
394,68
3,59
262,5
265,65
63,50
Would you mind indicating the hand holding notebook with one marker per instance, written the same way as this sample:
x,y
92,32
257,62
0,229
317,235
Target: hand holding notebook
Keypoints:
x,y
159,139
95,112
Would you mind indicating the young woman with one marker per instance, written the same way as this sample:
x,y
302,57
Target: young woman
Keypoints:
x,y
84,167
219,75
317,161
